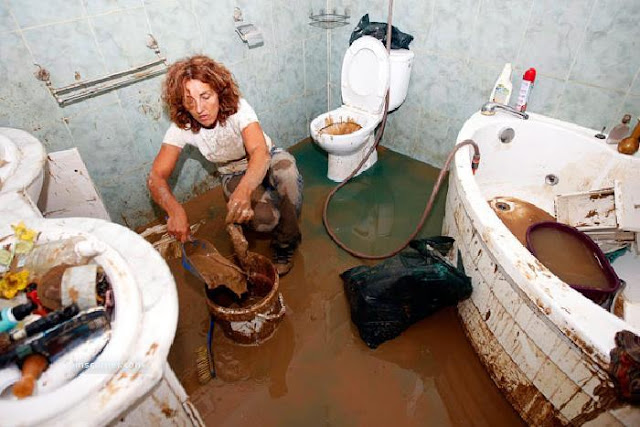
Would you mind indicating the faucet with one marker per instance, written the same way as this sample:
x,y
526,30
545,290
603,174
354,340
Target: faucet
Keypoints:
x,y
489,109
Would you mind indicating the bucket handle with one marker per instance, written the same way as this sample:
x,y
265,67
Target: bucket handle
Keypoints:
x,y
277,316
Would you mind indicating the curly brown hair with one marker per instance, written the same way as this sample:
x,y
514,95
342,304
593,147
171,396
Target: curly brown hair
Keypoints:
x,y
208,71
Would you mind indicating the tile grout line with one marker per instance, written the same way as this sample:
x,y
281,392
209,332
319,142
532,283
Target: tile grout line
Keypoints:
x,y
575,58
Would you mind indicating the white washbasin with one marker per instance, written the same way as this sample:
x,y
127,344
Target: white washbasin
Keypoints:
x,y
142,329
22,160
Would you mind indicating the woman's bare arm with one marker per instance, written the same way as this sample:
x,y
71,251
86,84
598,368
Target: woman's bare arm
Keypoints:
x,y
239,204
161,170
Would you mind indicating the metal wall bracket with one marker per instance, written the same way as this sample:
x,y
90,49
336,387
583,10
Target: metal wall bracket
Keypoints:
x,y
82,90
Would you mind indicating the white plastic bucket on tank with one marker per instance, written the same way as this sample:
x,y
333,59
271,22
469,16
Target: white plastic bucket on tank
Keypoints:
x,y
133,363
22,162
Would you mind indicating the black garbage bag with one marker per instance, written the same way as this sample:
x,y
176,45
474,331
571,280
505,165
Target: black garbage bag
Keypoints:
x,y
399,40
389,297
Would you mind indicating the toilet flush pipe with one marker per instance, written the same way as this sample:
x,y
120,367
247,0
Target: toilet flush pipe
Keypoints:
x,y
474,165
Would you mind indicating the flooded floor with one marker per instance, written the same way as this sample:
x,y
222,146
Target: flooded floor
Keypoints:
x,y
316,370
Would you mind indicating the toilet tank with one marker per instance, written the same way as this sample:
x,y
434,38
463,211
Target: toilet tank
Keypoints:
x,y
401,62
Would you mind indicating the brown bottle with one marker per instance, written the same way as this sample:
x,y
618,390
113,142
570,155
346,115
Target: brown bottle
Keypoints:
x,y
631,144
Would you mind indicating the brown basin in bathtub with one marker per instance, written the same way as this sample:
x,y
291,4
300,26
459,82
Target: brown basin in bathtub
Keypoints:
x,y
518,215
575,258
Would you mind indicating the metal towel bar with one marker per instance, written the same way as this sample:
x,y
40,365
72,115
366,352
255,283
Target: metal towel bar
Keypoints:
x,y
79,91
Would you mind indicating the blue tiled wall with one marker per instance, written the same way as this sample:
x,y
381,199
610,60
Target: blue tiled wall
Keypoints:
x,y
119,133
583,51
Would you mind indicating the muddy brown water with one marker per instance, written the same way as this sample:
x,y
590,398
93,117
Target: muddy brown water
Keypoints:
x,y
569,258
341,128
316,370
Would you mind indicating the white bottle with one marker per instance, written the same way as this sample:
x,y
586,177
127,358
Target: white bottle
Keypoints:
x,y
501,92
72,251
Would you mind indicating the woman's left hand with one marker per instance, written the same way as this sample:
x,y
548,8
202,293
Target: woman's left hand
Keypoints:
x,y
239,207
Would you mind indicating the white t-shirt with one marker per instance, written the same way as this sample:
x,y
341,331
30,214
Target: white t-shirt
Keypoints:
x,y
222,145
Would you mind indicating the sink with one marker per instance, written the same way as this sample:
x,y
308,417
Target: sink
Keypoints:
x,y
22,160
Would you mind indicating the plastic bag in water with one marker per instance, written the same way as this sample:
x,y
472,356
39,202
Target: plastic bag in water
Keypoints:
x,y
387,298
399,40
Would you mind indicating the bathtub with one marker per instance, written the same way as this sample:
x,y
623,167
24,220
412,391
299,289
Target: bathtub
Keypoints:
x,y
544,344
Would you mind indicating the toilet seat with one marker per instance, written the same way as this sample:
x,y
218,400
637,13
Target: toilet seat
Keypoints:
x,y
365,75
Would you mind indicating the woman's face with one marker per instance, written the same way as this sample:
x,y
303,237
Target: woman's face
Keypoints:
x,y
201,101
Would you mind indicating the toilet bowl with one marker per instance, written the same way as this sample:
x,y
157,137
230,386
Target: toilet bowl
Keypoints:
x,y
22,162
347,133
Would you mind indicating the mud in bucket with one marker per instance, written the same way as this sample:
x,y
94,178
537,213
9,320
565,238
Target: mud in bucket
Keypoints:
x,y
253,318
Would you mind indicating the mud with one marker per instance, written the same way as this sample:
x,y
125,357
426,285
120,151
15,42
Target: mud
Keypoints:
x,y
215,269
569,258
518,215
340,128
315,369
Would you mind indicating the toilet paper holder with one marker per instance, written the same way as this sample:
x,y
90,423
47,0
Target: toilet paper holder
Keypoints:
x,y
250,34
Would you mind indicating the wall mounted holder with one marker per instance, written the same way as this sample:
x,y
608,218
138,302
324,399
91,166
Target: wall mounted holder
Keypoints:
x,y
249,33
82,90
330,20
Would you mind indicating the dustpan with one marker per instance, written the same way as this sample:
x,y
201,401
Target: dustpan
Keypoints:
x,y
220,271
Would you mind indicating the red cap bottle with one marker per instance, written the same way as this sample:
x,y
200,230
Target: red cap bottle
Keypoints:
x,y
525,89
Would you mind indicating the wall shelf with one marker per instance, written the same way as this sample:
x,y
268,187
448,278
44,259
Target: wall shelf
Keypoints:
x,y
329,20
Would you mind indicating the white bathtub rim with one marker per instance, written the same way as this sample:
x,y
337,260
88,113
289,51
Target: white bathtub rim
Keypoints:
x,y
586,324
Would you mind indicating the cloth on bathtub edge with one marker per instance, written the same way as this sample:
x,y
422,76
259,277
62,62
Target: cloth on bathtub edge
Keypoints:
x,y
387,298
624,367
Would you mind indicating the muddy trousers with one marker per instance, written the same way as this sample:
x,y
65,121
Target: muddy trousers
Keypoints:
x,y
277,202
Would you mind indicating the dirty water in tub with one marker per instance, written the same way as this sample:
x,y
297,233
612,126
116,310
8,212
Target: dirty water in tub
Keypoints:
x,y
315,369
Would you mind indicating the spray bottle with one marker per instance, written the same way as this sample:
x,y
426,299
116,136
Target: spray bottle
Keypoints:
x,y
525,89
501,92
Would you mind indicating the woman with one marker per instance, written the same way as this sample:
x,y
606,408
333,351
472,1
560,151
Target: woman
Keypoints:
x,y
261,183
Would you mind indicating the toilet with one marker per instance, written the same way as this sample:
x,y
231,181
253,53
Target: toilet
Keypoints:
x,y
347,133
22,163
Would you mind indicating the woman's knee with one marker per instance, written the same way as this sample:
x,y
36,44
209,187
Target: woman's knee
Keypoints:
x,y
285,177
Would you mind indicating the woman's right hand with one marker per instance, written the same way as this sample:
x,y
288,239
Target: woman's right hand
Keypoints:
x,y
163,165
178,224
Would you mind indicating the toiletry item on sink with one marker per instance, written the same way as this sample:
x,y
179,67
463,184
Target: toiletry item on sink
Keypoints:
x,y
620,131
10,316
525,89
501,92
57,339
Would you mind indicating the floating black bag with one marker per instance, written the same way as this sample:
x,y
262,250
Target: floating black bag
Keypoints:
x,y
387,298
399,40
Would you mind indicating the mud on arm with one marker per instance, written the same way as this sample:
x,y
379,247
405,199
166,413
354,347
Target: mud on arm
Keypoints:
x,y
239,204
161,170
